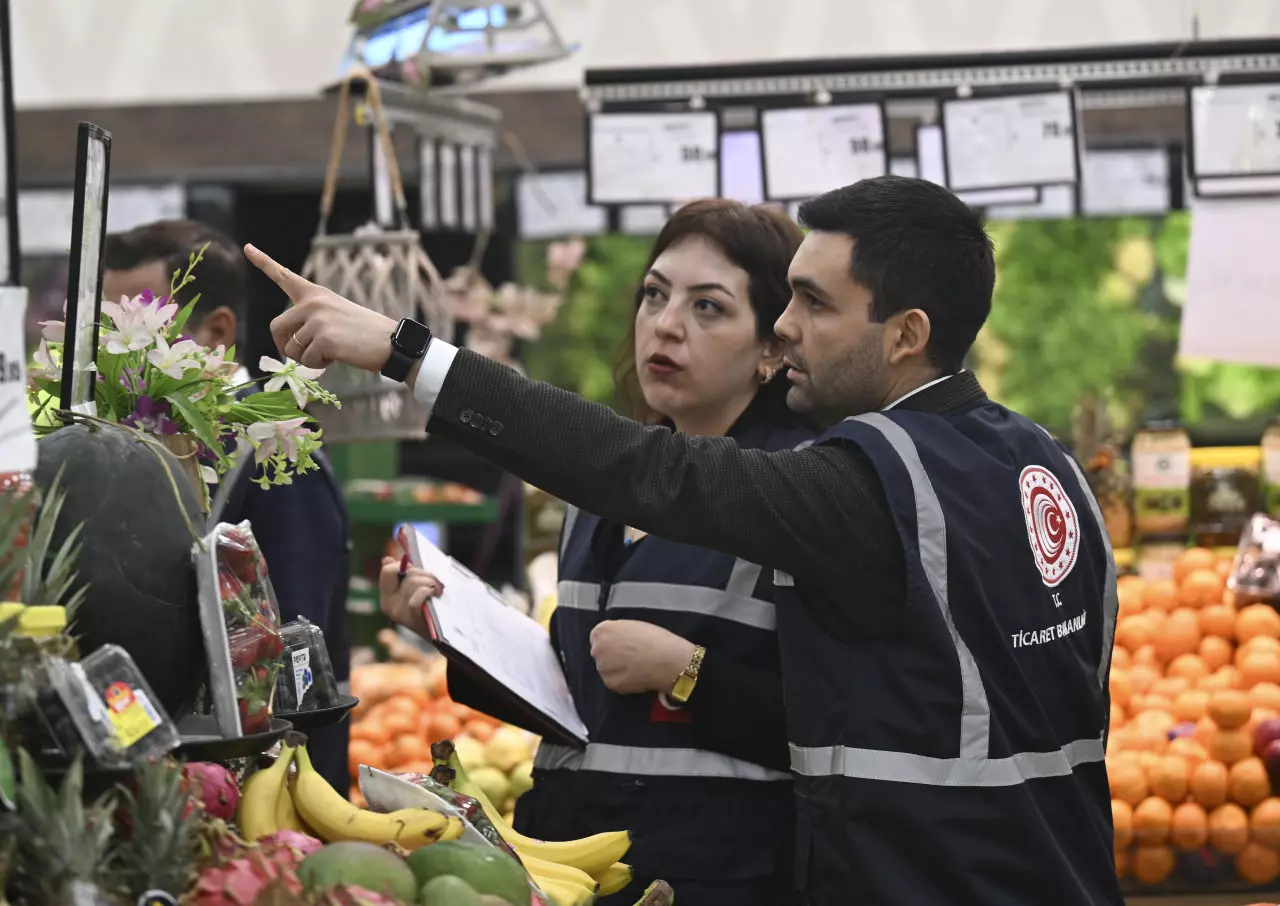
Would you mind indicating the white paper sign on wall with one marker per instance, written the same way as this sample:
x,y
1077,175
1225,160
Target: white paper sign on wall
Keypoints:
x,y
641,219
550,205
810,150
1233,282
1117,182
653,158
1056,203
931,165
741,169
1016,140
17,442
1235,130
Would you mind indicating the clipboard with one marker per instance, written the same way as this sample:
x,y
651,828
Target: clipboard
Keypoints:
x,y
502,651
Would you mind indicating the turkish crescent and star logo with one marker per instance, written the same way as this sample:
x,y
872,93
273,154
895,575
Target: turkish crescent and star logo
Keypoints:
x,y
1053,527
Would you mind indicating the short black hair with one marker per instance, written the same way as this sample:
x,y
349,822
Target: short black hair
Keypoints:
x,y
220,277
916,245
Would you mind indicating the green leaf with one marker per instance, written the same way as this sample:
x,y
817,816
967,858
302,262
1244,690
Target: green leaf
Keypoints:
x,y
200,426
180,321
8,781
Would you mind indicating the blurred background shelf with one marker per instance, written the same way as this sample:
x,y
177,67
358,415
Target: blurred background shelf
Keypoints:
x,y
391,512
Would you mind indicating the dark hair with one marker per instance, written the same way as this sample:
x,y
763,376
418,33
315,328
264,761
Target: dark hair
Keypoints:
x,y
759,239
915,246
219,278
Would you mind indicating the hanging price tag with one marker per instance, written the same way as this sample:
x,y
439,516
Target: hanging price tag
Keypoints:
x,y
1018,140
1119,182
17,442
639,158
1235,130
810,150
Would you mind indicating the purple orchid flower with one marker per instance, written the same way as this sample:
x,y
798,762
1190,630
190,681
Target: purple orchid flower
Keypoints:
x,y
152,416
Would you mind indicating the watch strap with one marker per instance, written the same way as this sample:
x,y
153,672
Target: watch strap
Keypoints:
x,y
687,681
398,365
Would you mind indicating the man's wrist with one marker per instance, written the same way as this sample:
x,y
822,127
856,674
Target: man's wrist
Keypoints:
x,y
411,379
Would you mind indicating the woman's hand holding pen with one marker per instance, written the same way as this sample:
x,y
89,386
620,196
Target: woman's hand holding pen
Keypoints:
x,y
402,592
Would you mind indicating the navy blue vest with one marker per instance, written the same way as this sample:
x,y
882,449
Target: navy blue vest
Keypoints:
x,y
694,813
959,758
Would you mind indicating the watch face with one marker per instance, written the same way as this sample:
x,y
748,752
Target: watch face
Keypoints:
x,y
411,338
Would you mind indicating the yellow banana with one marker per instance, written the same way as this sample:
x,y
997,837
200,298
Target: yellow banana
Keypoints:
x,y
564,894
256,812
591,854
334,818
287,817
554,871
614,878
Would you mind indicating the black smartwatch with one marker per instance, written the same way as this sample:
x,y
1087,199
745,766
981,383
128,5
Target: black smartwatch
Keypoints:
x,y
409,342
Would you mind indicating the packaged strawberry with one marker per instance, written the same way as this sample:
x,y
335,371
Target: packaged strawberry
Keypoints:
x,y
240,619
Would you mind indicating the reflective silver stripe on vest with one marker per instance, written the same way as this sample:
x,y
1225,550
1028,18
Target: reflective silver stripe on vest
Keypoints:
x,y
566,527
650,762
901,767
931,528
1110,595
725,603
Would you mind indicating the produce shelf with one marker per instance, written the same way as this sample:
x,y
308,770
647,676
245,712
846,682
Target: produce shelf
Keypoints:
x,y
390,512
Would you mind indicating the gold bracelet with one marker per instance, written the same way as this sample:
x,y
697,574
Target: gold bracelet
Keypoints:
x,y
688,679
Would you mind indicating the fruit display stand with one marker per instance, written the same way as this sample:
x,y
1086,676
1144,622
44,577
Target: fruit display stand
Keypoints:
x,y
1195,698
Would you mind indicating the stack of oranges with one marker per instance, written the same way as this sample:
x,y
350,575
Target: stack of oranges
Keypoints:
x,y
1193,678
404,708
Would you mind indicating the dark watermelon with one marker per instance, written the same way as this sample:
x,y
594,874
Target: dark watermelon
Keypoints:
x,y
136,558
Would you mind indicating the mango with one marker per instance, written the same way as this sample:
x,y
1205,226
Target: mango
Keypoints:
x,y
492,782
360,865
448,890
486,869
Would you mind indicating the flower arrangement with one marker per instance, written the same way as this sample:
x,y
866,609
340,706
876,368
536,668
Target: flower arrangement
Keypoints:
x,y
154,379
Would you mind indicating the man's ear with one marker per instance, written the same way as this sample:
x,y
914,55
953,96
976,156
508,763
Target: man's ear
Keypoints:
x,y
907,335
217,328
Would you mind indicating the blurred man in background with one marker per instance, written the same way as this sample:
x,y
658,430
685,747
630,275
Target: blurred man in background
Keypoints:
x,y
301,527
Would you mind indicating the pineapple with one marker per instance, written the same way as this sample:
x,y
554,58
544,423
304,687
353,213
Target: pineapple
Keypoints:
x,y
62,845
163,844
16,504
48,575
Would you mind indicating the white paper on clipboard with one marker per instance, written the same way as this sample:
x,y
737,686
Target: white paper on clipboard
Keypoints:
x,y
476,622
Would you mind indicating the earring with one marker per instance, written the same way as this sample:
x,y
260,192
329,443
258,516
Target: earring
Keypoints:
x,y
767,375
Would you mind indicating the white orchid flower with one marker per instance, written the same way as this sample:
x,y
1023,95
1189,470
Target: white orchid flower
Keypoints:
x,y
290,374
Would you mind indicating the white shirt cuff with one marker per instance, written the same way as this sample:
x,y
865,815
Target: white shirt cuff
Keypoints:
x,y
435,368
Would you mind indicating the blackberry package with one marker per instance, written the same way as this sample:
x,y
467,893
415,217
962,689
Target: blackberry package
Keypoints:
x,y
306,681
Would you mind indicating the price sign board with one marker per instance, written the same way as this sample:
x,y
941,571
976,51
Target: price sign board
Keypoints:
x,y
1015,140
1118,182
741,171
811,150
1056,203
641,219
550,205
931,164
1235,130
17,442
652,158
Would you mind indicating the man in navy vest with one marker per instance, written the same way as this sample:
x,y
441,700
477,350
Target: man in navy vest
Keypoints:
x,y
301,527
946,587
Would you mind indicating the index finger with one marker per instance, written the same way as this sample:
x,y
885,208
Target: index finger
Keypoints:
x,y
281,276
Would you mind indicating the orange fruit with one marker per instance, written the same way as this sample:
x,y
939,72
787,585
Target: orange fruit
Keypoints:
x,y
1265,695
1191,560
1215,652
1120,658
1190,751
1122,862
1160,594
410,747
1151,819
1121,687
1128,782
1178,634
1122,821
1263,643
445,726
417,766
1142,677
1257,620
1169,686
1259,667
1191,705
1116,721
1148,738
1227,677
1264,822
479,730
1146,654
1228,828
1168,779
1230,746
1189,828
402,702
1155,719
1247,782
1152,864
1230,708
398,723
1258,864
1205,728
1128,598
1208,783
1133,632
361,751
1218,620
1201,588
1188,668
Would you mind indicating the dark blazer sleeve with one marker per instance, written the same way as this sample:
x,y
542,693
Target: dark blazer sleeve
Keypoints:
x,y
819,514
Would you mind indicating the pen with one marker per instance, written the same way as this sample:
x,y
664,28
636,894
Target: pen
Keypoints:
x,y
404,570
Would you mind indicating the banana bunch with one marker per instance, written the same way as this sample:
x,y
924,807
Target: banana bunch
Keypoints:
x,y
572,873
272,801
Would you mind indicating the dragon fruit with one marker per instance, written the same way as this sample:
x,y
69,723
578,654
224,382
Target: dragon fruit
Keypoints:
x,y
215,788
240,881
290,844
351,895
